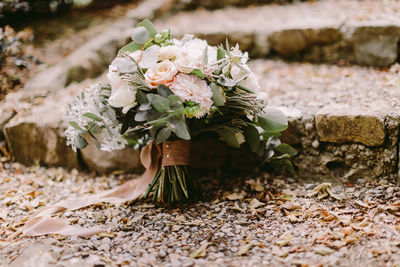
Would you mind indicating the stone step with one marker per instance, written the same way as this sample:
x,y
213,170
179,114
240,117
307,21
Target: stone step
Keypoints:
x,y
212,4
344,121
333,31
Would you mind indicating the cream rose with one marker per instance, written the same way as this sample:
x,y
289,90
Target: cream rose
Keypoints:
x,y
161,73
168,52
185,63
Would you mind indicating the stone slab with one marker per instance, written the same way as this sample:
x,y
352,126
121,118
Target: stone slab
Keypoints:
x,y
345,124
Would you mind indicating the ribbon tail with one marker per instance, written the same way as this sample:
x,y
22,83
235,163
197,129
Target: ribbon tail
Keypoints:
x,y
42,223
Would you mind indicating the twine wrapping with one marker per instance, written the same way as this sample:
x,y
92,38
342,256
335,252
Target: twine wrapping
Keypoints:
x,y
152,158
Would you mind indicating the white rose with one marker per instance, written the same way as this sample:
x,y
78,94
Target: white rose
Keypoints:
x,y
195,48
148,58
185,63
168,52
161,73
122,96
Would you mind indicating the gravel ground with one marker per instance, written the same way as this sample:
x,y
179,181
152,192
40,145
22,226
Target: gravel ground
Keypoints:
x,y
309,87
247,221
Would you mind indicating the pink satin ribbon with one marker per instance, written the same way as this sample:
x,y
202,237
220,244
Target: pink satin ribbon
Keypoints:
x,y
43,223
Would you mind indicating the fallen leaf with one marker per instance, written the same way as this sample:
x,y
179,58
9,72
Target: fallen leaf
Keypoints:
x,y
324,251
254,204
291,206
362,204
324,190
284,241
237,208
245,248
201,251
137,218
180,218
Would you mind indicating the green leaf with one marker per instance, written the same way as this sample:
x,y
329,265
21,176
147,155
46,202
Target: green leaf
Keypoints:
x,y
217,97
80,142
159,123
76,126
149,26
161,104
180,128
141,97
131,47
229,137
92,116
285,149
142,115
220,54
163,135
198,73
252,137
163,90
176,102
273,120
140,35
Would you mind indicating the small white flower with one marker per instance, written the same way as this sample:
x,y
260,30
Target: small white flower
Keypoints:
x,y
192,88
147,58
161,73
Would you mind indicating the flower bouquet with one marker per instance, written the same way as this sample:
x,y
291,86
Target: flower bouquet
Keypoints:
x,y
161,93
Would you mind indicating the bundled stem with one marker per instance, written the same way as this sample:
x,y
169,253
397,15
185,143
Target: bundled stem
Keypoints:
x,y
172,184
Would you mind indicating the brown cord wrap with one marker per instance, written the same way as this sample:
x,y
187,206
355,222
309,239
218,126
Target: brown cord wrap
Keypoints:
x,y
176,153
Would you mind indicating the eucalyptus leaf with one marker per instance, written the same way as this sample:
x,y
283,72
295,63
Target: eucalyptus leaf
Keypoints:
x,y
180,129
217,97
145,106
285,149
92,116
198,73
141,97
140,35
161,104
131,47
76,126
272,143
163,90
252,137
149,26
80,142
163,135
273,120
229,137
142,115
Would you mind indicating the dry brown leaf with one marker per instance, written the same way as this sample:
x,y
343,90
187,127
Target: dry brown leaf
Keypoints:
x,y
201,251
284,241
291,206
362,204
245,248
324,251
138,218
254,204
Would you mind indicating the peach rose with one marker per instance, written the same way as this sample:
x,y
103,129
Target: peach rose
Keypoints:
x,y
161,73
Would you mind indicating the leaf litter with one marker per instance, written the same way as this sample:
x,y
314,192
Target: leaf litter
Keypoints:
x,y
236,223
